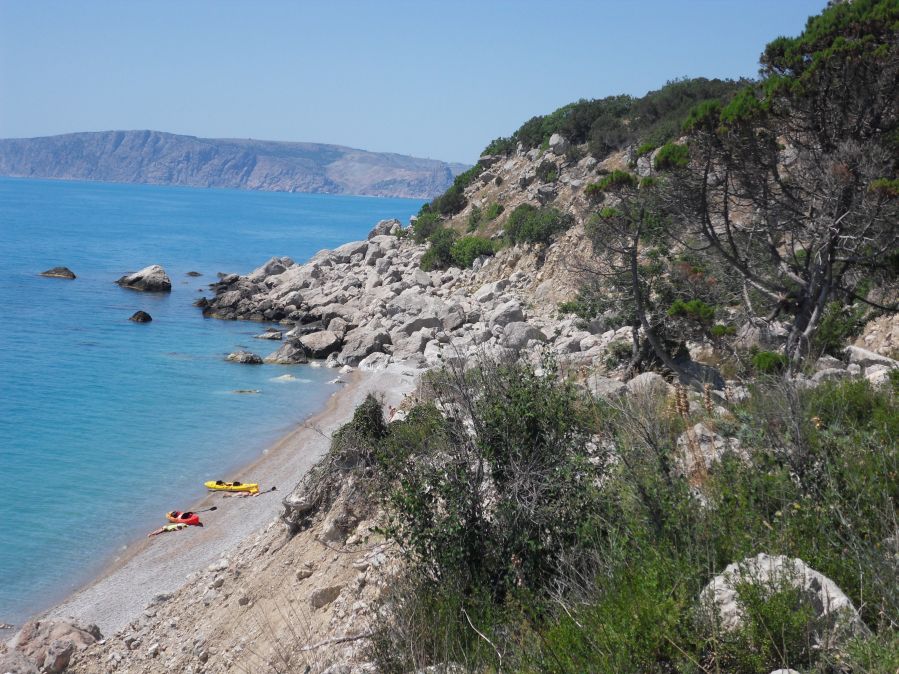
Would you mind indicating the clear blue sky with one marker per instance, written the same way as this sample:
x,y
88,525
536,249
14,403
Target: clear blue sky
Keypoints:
x,y
427,78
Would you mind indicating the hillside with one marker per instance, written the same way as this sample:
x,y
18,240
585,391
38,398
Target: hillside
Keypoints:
x,y
158,158
656,344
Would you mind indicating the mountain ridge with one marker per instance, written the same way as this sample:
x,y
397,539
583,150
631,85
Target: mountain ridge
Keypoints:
x,y
162,158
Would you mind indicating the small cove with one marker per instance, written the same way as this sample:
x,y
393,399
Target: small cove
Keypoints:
x,y
106,424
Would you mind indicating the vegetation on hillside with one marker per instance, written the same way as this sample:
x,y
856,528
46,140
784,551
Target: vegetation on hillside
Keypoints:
x,y
543,530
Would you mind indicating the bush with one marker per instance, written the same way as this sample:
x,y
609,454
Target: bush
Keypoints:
x,y
646,148
548,172
671,157
493,211
594,192
440,252
468,248
530,224
474,218
501,146
694,310
769,362
424,225
616,180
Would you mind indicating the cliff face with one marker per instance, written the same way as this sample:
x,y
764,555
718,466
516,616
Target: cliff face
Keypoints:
x,y
167,159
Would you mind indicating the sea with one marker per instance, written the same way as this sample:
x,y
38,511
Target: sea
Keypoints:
x,y
106,424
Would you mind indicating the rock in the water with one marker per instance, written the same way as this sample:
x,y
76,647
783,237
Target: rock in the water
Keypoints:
x,y
151,279
290,353
835,618
244,357
321,344
275,335
193,274
141,317
59,272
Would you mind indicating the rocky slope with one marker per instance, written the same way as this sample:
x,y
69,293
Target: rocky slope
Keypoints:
x,y
284,603
167,159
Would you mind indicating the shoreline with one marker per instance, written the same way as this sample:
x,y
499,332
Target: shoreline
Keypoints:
x,y
124,587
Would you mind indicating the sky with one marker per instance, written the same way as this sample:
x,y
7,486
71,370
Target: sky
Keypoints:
x,y
428,78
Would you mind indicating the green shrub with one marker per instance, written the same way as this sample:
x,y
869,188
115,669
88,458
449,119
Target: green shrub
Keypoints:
x,y
618,352
694,310
886,188
493,211
672,156
646,148
838,325
474,218
721,330
466,249
547,172
424,225
769,362
440,251
530,224
501,146
616,180
594,192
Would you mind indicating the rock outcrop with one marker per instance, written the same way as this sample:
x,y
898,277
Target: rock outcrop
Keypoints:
x,y
47,646
141,317
152,279
835,617
59,272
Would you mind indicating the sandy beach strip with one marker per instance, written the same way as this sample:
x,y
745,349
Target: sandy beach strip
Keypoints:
x,y
162,564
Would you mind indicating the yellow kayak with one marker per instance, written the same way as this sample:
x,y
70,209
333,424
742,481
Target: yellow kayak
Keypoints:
x,y
218,485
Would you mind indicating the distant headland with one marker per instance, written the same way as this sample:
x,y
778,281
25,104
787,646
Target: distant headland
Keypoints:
x,y
159,158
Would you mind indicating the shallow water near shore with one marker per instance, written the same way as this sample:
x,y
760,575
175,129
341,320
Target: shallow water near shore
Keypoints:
x,y
106,424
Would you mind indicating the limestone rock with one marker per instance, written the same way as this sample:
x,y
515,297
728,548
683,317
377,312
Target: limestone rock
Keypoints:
x,y
290,353
321,344
517,334
140,317
384,227
149,279
558,145
50,644
59,272
324,596
15,662
505,313
835,616
605,387
698,448
361,342
274,335
648,384
374,362
865,358
245,357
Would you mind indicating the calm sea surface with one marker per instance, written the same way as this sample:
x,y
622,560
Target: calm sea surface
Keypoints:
x,y
106,424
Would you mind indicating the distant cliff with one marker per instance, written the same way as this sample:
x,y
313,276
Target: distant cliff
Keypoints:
x,y
167,159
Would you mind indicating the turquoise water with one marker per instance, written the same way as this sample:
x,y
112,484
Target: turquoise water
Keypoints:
x,y
107,424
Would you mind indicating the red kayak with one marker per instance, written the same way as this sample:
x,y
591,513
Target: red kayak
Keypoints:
x,y
184,518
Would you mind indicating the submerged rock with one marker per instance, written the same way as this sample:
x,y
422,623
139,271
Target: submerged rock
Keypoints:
x,y
244,357
141,317
59,272
193,273
152,279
